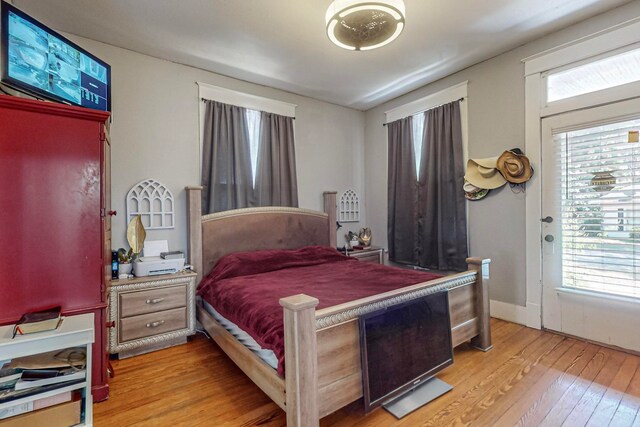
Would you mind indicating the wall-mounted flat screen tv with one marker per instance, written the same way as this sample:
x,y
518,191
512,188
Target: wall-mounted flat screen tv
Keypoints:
x,y
403,346
41,62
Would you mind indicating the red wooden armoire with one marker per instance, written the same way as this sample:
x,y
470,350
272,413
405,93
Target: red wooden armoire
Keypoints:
x,y
55,226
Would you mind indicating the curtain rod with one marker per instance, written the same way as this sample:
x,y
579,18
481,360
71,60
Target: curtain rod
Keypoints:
x,y
293,117
424,111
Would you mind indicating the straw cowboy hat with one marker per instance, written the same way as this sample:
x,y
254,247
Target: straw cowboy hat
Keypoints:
x,y
514,166
483,173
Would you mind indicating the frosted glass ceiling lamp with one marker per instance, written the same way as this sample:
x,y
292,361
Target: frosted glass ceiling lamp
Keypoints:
x,y
364,25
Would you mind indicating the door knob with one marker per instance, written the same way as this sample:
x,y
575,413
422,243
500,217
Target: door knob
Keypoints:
x,y
547,219
548,238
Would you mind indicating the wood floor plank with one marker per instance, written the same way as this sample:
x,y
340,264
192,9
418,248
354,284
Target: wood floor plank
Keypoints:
x,y
537,375
534,405
561,410
630,403
488,410
459,402
608,405
592,396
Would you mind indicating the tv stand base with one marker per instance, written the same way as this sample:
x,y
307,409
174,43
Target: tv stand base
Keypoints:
x,y
417,397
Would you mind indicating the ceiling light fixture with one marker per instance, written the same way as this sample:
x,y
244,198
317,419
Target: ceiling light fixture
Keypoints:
x,y
364,25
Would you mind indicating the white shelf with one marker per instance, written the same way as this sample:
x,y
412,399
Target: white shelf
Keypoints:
x,y
74,331
43,395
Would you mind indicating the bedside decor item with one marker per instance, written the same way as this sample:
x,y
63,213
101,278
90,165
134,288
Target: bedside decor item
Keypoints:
x,y
514,166
352,239
153,202
364,236
349,207
124,261
136,234
364,25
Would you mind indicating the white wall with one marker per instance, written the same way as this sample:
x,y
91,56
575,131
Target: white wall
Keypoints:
x,y
155,135
496,123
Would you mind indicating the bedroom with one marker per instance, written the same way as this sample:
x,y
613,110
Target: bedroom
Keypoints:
x,y
340,144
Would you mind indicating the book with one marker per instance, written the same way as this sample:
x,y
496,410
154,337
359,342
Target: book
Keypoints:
x,y
62,376
39,321
12,394
9,377
172,255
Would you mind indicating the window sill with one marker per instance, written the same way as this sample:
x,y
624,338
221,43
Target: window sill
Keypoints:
x,y
598,295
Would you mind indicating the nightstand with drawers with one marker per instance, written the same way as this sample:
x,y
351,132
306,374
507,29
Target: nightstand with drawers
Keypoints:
x,y
151,313
371,254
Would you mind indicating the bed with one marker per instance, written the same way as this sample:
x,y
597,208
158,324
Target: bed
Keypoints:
x,y
322,371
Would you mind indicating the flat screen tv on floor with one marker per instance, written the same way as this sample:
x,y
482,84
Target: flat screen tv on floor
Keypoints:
x,y
39,61
404,346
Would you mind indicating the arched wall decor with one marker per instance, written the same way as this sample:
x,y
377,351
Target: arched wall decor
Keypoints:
x,y
153,202
349,207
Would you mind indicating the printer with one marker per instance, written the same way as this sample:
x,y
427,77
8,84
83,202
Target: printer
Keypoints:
x,y
154,265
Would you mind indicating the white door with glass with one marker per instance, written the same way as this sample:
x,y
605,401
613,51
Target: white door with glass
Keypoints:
x,y
591,224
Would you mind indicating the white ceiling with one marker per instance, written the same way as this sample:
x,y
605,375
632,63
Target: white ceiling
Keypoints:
x,y
282,43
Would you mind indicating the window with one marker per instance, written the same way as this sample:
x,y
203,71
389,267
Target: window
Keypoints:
x,y
418,131
601,208
253,128
605,73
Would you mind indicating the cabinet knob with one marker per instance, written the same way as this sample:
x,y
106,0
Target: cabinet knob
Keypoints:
x,y
154,300
111,324
112,213
154,324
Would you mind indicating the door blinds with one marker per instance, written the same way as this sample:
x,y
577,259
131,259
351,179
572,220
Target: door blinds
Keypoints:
x,y
600,202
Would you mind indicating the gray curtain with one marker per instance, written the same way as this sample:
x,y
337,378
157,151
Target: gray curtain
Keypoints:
x,y
426,217
276,182
402,195
226,162
443,224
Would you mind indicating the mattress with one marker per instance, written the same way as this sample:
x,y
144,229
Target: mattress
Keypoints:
x,y
268,356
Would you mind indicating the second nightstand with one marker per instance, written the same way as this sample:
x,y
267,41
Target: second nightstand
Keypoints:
x,y
371,254
150,313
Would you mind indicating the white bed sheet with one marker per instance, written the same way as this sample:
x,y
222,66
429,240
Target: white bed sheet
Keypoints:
x,y
268,356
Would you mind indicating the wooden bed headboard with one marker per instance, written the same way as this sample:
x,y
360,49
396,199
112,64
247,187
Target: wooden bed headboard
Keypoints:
x,y
215,235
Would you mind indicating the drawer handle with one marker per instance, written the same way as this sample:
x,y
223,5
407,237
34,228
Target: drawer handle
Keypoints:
x,y
154,300
155,324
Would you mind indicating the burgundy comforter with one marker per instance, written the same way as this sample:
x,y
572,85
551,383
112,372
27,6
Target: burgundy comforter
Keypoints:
x,y
246,287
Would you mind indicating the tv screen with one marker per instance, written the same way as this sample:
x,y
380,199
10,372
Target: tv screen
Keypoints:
x,y
403,346
41,62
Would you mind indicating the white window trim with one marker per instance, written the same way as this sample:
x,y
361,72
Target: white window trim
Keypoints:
x,y
602,42
428,102
240,99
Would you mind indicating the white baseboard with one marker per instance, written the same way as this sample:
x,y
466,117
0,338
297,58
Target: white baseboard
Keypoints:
x,y
534,318
510,312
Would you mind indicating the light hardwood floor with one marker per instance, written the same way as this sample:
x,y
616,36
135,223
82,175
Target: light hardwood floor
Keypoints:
x,y
530,378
